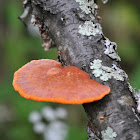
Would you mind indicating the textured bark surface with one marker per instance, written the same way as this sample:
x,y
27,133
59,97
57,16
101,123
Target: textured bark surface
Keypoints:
x,y
60,19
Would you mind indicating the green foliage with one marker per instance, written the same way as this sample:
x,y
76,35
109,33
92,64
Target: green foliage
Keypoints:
x,y
77,134
19,49
135,78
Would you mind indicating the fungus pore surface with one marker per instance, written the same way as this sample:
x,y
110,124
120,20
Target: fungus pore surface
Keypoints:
x,y
46,80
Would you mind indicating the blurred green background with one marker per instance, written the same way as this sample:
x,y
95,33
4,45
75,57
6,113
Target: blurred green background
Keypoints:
x,y
121,24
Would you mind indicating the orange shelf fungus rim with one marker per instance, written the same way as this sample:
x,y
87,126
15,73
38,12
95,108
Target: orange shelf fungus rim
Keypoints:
x,y
62,101
35,97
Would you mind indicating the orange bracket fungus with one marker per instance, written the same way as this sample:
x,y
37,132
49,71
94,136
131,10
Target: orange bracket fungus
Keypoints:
x,y
46,80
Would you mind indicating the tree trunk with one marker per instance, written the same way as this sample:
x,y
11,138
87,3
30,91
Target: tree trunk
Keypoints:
x,y
64,21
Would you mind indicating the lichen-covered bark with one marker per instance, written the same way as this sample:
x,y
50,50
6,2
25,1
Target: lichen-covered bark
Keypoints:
x,y
60,20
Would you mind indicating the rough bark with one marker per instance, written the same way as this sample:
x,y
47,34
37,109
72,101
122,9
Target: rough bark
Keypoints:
x,y
60,20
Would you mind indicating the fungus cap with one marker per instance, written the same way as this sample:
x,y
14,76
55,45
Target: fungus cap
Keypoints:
x,y
46,80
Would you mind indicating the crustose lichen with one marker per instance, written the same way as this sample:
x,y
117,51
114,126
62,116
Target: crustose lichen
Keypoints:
x,y
105,73
108,134
88,29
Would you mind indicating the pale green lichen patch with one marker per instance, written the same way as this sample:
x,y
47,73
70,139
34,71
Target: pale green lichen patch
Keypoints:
x,y
110,50
88,29
87,6
105,73
108,134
